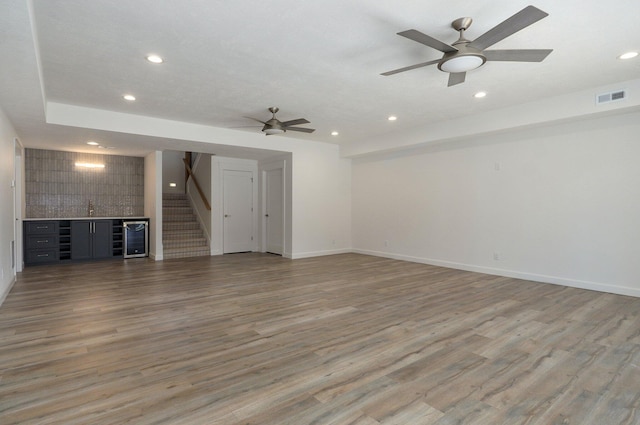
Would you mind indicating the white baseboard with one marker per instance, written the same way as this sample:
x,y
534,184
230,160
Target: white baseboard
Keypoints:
x,y
5,294
318,253
574,283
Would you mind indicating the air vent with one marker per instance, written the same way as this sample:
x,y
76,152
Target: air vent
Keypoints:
x,y
613,96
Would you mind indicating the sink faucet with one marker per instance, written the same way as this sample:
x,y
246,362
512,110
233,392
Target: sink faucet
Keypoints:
x,y
90,208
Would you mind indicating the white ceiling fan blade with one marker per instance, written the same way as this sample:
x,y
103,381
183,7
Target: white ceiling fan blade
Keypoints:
x,y
456,78
409,68
519,55
512,25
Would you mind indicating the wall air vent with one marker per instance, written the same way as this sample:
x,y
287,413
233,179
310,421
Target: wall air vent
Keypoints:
x,y
613,96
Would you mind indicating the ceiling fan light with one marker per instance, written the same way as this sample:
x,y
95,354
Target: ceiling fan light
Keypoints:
x,y
462,63
272,130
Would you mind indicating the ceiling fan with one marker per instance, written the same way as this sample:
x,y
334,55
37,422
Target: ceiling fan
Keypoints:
x,y
465,55
275,126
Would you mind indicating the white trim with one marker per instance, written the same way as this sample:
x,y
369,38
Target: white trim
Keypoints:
x,y
4,295
310,254
218,166
263,168
573,283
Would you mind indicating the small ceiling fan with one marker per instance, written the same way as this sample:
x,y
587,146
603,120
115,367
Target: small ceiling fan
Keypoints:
x,y
275,126
465,55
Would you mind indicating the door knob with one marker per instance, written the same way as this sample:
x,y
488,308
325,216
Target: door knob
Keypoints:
x,y
266,215
226,215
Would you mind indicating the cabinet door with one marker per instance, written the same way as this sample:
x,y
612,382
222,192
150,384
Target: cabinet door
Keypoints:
x,y
102,243
81,236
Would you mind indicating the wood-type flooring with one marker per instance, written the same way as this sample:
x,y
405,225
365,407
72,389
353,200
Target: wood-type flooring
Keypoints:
x,y
347,339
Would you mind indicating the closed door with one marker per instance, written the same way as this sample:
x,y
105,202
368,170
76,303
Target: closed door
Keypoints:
x,y
238,211
274,214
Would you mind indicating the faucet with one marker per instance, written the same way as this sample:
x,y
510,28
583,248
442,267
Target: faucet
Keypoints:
x,y
90,208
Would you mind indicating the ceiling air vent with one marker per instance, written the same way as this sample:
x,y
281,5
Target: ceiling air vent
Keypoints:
x,y
610,97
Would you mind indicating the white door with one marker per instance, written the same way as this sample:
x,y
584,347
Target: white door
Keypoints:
x,y
274,216
238,211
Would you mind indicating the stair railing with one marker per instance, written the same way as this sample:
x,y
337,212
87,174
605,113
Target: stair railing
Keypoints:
x,y
195,181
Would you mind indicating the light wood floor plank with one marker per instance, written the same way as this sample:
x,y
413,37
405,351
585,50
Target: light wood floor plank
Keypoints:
x,y
347,339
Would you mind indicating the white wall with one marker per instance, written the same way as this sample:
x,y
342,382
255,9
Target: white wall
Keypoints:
x,y
172,171
153,202
321,198
556,204
7,222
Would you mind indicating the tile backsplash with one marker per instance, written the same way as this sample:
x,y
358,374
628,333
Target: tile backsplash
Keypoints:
x,y
56,188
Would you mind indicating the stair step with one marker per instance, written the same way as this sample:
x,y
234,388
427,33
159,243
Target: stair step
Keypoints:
x,y
181,233
185,243
186,252
180,225
186,209
185,218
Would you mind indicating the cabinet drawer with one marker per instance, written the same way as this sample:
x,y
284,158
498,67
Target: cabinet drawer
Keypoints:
x,y
42,241
41,227
41,256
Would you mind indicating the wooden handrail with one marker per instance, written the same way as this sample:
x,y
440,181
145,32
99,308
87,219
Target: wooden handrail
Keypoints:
x,y
195,181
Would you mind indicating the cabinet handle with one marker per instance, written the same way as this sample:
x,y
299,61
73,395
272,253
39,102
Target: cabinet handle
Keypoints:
x,y
42,227
43,255
45,241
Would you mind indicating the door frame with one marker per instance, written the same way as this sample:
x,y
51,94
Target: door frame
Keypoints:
x,y
18,204
218,166
264,168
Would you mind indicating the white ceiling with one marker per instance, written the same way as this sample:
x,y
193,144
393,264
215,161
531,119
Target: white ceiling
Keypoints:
x,y
225,60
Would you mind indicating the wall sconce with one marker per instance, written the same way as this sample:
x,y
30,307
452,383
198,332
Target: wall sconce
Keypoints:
x,y
89,165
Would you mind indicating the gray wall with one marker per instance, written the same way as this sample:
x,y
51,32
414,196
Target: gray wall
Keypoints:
x,y
56,188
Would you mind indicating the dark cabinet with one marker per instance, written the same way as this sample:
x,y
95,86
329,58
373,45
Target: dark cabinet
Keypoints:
x,y
91,239
41,242
51,241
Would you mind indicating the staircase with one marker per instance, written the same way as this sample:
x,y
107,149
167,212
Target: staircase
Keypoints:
x,y
181,233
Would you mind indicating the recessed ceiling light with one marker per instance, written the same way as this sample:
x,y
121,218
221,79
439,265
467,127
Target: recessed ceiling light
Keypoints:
x,y
480,94
392,118
129,97
155,59
92,143
334,133
628,55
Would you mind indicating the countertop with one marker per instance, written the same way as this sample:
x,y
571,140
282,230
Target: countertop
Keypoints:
x,y
83,218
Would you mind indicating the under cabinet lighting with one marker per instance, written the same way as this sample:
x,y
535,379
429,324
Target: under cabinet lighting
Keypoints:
x,y
89,165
